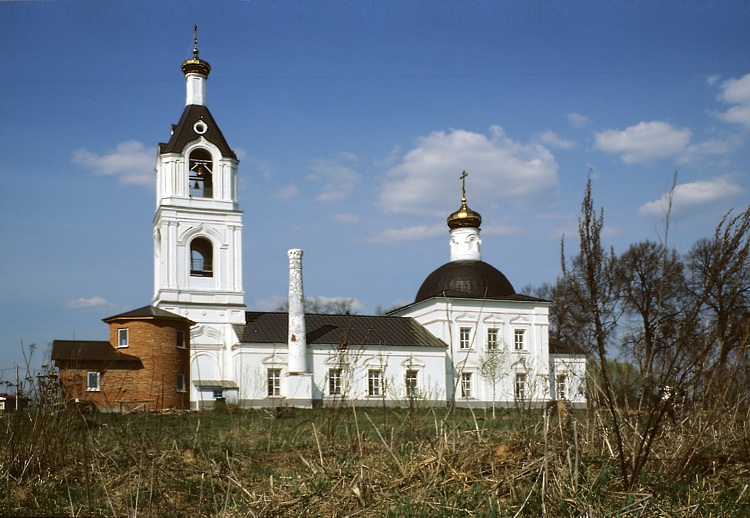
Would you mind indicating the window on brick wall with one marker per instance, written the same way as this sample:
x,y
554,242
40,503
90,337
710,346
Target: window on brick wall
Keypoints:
x,y
180,382
92,381
180,339
122,337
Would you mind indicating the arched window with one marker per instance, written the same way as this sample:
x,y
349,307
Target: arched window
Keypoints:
x,y
201,258
201,184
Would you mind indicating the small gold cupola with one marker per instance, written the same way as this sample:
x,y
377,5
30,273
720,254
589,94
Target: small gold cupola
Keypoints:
x,y
464,217
196,65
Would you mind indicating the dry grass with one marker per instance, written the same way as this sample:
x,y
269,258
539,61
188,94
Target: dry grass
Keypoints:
x,y
368,462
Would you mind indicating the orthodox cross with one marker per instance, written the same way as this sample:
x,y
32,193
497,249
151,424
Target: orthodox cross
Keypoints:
x,y
463,184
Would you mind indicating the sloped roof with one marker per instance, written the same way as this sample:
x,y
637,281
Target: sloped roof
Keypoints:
x,y
264,327
88,350
562,347
147,312
183,132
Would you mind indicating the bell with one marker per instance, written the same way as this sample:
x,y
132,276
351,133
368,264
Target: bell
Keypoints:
x,y
197,185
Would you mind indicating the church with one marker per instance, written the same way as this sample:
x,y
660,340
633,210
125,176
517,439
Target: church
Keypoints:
x,y
467,339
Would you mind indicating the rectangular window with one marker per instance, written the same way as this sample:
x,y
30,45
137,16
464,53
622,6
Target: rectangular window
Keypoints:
x,y
180,339
492,339
92,382
122,337
180,382
274,382
519,339
334,382
520,388
464,337
375,382
466,385
410,379
562,386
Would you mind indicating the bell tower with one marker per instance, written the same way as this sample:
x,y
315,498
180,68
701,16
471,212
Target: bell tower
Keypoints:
x,y
198,223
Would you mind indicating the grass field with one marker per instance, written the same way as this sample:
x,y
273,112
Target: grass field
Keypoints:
x,y
356,462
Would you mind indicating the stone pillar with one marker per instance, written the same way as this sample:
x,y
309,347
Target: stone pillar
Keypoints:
x,y
297,338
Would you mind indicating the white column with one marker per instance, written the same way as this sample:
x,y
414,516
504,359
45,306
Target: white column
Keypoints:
x,y
196,89
297,332
465,244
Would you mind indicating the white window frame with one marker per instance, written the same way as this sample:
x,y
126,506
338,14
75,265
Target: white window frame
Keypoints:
x,y
335,385
180,382
561,386
411,383
180,339
467,385
520,345
273,376
519,387
464,342
493,338
122,332
90,387
374,383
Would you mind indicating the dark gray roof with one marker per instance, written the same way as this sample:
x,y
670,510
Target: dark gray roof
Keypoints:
x,y
88,350
351,330
147,312
466,279
183,132
226,384
561,347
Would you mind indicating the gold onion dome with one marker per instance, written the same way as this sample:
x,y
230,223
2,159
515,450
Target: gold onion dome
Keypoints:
x,y
464,217
194,64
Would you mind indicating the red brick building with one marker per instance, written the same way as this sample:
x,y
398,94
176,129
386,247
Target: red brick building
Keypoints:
x,y
145,364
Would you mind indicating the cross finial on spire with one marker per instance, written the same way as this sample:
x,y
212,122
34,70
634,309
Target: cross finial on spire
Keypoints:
x,y
195,41
463,185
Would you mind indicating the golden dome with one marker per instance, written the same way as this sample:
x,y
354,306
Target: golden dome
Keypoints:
x,y
464,217
194,64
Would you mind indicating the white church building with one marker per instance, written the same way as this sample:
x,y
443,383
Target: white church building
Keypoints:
x,y
468,338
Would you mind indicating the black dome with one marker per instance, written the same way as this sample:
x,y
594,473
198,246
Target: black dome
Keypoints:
x,y
466,279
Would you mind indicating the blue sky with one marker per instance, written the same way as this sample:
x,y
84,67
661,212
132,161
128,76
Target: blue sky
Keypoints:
x,y
353,122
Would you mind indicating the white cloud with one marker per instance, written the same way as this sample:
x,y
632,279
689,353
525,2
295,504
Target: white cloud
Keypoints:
x,y
691,196
93,302
287,193
736,92
131,161
551,139
399,235
426,181
644,142
577,120
336,176
346,217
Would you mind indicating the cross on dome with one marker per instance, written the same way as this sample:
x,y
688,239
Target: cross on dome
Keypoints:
x,y
464,217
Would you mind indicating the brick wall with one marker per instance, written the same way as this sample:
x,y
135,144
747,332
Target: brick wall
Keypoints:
x,y
148,384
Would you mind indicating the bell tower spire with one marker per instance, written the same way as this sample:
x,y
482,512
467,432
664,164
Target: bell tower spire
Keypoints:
x,y
196,72
198,221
